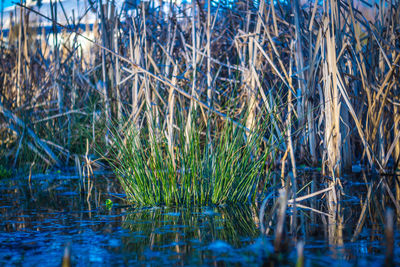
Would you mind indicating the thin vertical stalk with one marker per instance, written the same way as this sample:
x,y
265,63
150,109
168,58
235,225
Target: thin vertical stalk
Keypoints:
x,y
289,119
136,57
299,64
147,92
19,63
170,119
103,68
274,18
117,74
194,64
208,48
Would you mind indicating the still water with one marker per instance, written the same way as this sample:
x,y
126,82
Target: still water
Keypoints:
x,y
40,218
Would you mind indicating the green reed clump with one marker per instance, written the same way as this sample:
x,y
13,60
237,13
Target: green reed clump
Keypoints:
x,y
223,169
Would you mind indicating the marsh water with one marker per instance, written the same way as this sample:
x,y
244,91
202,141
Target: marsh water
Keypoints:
x,y
42,216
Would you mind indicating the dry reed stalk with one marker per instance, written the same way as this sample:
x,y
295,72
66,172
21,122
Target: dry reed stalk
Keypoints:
x,y
26,53
170,120
332,134
147,91
254,65
272,5
19,63
289,120
283,163
134,54
194,66
103,69
209,78
292,201
117,74
299,60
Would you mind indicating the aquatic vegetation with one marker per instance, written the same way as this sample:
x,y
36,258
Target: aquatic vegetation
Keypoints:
x,y
223,169
109,204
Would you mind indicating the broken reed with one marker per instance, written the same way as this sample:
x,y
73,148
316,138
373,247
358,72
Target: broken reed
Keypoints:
x,y
330,76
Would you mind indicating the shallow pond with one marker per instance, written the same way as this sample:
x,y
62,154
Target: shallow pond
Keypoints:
x,y
42,217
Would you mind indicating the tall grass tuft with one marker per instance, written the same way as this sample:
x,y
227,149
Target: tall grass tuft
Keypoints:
x,y
223,169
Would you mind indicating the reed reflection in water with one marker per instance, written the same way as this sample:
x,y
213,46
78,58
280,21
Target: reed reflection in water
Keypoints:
x,y
197,235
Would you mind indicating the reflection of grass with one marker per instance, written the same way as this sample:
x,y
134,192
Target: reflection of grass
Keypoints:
x,y
186,230
201,171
